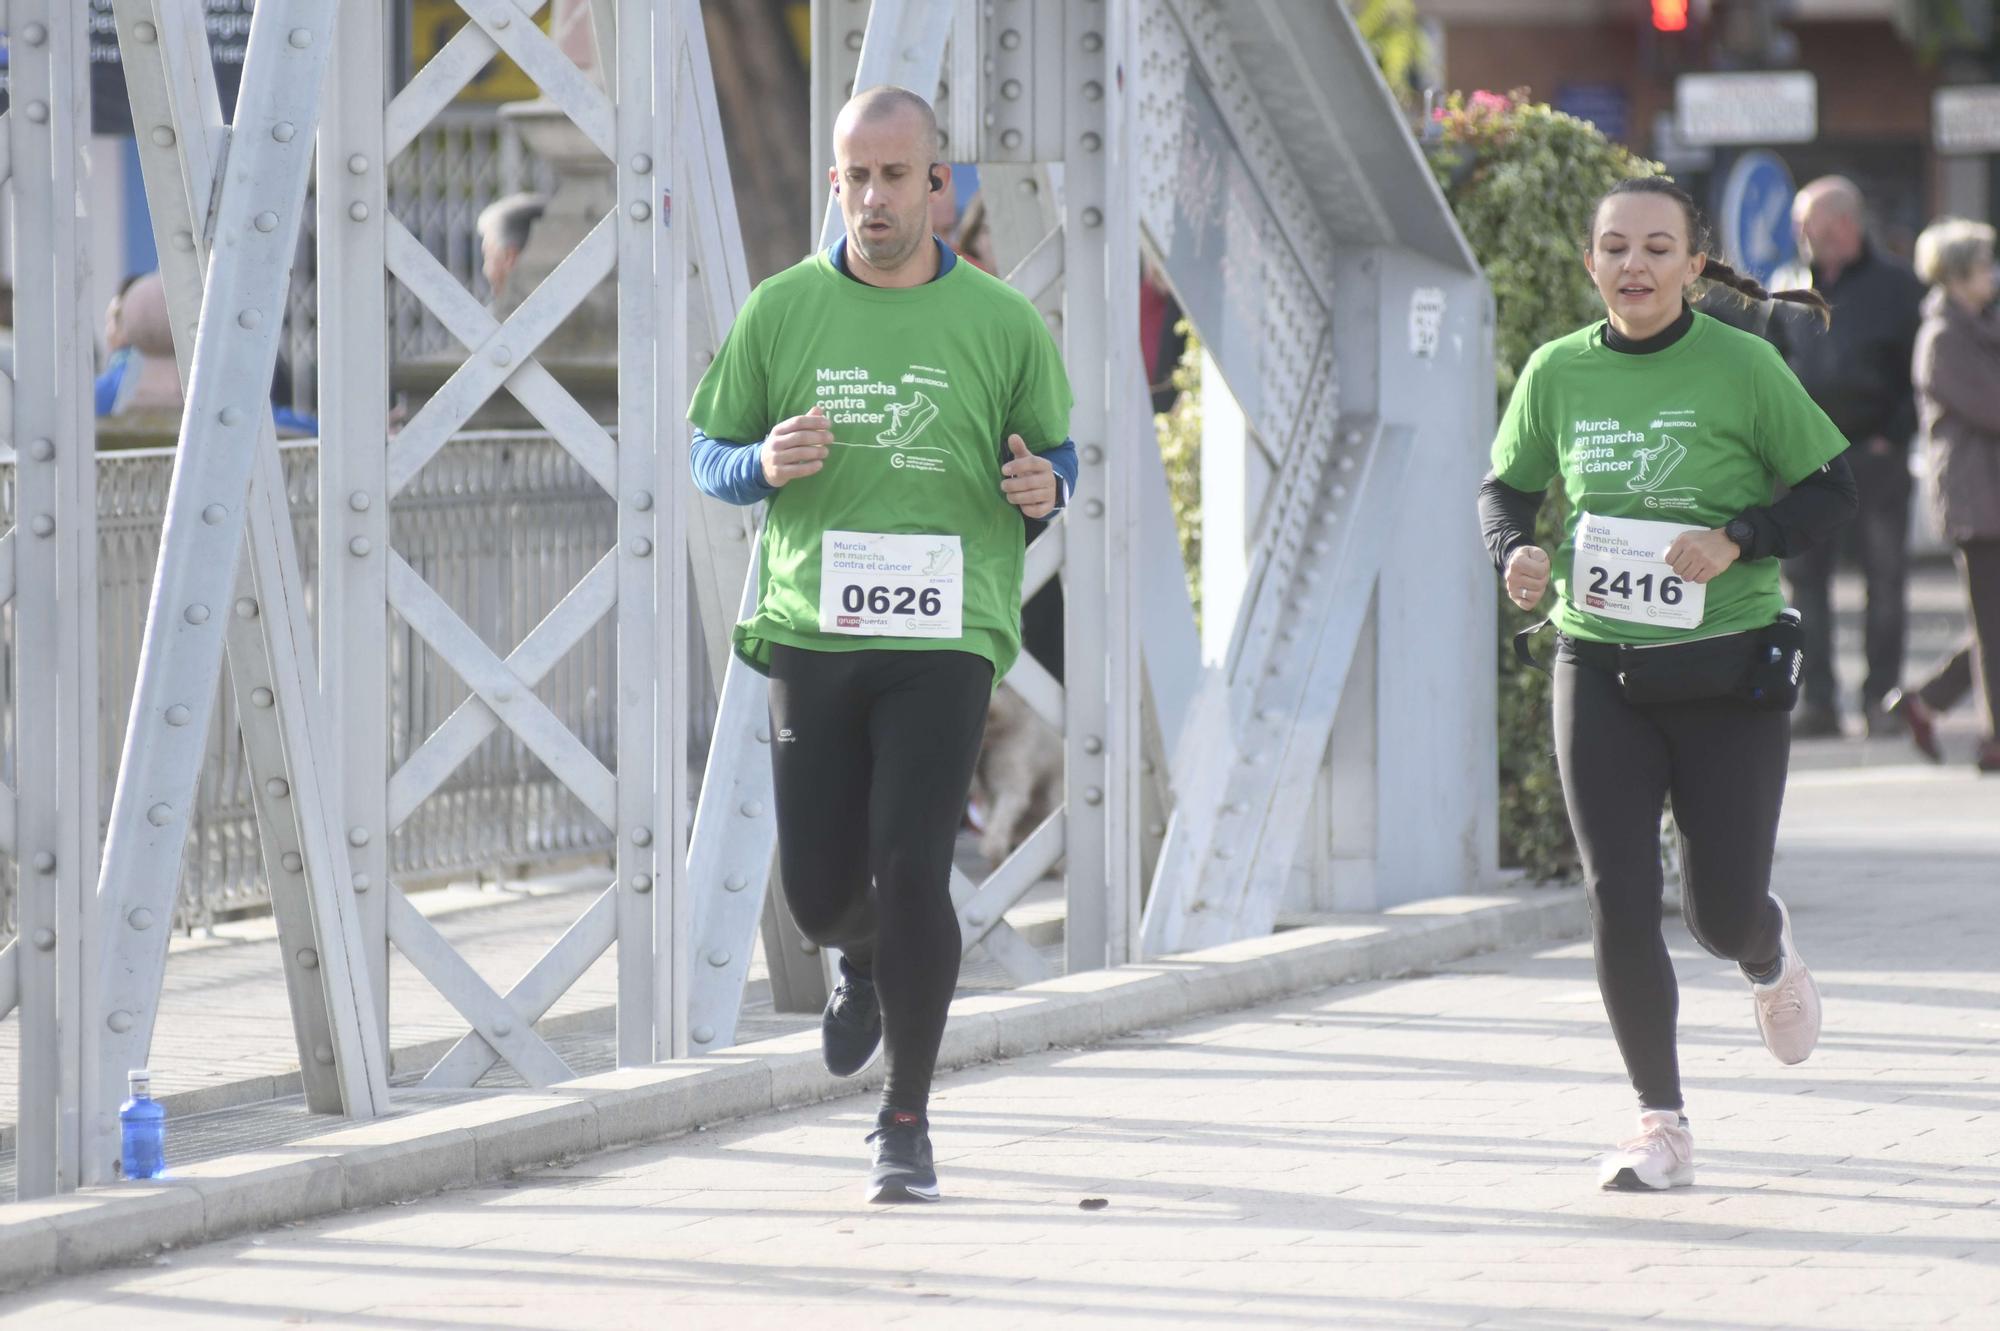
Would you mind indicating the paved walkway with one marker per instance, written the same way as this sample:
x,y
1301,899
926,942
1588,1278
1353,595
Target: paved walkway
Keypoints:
x,y
1415,1153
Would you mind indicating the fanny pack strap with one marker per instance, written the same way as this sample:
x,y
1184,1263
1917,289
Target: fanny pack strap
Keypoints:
x,y
1524,651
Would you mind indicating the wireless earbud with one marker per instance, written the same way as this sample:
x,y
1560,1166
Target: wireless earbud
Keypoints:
x,y
936,184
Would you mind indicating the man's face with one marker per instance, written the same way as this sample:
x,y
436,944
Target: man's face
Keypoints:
x,y
1826,233
882,170
496,262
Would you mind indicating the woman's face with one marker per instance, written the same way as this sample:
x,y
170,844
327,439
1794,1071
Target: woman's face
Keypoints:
x,y
1976,290
1640,261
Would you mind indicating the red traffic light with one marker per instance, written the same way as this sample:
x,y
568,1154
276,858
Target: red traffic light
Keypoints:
x,y
1670,15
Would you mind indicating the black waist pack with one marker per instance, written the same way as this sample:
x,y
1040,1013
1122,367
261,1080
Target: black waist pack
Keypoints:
x,y
1760,667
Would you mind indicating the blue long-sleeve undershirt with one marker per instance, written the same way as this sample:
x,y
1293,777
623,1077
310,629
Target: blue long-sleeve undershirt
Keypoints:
x,y
733,472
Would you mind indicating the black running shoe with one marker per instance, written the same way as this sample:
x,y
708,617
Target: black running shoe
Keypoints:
x,y
903,1171
850,1030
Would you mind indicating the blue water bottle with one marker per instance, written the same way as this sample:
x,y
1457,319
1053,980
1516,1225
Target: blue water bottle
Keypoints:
x,y
142,1123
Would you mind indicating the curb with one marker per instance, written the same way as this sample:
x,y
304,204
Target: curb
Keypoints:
x,y
413,1155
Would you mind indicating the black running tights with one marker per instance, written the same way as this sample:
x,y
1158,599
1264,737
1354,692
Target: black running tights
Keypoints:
x,y
873,752
1723,764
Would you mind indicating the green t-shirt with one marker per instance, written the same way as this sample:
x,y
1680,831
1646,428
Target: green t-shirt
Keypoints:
x,y
921,387
1690,435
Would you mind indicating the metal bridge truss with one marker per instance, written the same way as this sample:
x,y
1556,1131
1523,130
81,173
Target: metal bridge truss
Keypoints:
x,y
1246,149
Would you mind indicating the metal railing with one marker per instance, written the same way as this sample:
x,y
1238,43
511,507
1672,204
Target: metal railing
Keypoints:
x,y
501,524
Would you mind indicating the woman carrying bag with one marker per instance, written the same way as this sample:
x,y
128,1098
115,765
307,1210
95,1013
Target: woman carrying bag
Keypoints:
x,y
1677,664
1957,377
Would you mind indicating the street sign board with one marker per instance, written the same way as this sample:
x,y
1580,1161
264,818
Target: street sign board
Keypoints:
x,y
1967,119
1756,214
1718,109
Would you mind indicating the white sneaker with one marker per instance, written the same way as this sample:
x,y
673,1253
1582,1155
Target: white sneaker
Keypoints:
x,y
1660,1157
1788,1007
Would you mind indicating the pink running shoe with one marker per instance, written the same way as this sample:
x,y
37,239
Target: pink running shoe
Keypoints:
x,y
1788,1007
1660,1157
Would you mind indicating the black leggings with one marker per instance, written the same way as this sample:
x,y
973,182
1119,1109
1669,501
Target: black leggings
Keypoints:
x,y
1723,763
872,753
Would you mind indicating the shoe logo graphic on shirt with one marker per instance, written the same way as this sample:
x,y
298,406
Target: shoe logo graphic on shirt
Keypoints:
x,y
907,420
1656,464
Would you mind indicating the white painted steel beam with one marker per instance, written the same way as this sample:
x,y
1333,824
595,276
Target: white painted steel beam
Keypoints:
x,y
226,420
55,604
170,82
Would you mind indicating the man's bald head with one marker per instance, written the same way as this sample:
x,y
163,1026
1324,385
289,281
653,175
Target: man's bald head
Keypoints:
x,y
888,102
1829,217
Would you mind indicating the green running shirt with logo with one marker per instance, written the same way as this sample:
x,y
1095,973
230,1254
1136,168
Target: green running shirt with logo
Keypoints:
x,y
1690,435
921,387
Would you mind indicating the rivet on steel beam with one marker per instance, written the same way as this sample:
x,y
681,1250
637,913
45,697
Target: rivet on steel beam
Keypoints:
x,y
43,525
703,1034
308,958
277,788
500,21
1095,508
184,242
1029,186
736,882
246,608
1011,90
41,450
1339,492
503,694
1092,42
1321,546
249,319
753,808
641,163
362,882
502,1028
1093,796
499,354
359,546
284,131
807,946
1093,217
265,221
1011,139
1351,437
358,211
763,735
119,1021
45,940
45,861
1093,91
1224,853
640,546
1197,904
261,697
357,836
230,415
196,614
178,714
357,165
718,958
640,210
162,134
1010,39
145,32
1156,829
292,861
975,919
323,1055
642,883
737,534
1093,745
1347,464
643,500
359,501
35,34
853,40
1093,454
1092,141
642,836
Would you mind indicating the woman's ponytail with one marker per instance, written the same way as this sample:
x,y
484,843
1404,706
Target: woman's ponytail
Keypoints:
x,y
1750,289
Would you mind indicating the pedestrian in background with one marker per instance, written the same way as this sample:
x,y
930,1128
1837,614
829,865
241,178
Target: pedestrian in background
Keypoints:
x,y
1858,371
1956,371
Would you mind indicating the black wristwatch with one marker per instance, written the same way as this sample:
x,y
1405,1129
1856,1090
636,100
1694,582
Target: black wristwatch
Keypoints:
x,y
1742,532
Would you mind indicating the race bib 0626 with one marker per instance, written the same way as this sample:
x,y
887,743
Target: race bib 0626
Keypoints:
x,y
876,585
1620,572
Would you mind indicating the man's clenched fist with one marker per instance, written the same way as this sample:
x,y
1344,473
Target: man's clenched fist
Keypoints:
x,y
797,447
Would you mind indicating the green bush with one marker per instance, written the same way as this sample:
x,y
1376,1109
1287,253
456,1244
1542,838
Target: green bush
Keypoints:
x,y
1179,429
1521,179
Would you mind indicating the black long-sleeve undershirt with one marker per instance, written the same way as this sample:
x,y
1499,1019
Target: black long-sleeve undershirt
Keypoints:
x,y
1807,515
